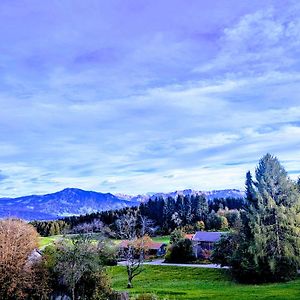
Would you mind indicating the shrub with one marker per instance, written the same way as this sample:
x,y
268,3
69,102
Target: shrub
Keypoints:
x,y
180,252
200,226
176,235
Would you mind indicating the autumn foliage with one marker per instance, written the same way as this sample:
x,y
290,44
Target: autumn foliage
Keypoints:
x,y
17,242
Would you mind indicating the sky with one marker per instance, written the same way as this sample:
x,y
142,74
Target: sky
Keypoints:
x,y
137,96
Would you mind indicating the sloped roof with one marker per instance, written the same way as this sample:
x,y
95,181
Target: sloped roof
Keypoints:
x,y
205,236
148,245
189,236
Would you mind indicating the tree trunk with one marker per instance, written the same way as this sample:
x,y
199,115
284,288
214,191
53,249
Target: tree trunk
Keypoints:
x,y
73,293
129,284
277,234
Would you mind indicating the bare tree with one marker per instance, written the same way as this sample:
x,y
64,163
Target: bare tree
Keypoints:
x,y
134,229
93,226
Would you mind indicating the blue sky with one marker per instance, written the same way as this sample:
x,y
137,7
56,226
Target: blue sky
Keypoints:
x,y
145,96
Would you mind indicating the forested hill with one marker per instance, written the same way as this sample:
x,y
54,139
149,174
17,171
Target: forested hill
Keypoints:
x,y
67,202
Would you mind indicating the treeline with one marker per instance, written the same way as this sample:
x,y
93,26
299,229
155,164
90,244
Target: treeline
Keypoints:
x,y
187,212
47,228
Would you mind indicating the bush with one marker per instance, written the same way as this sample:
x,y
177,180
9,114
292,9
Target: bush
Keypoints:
x,y
180,252
176,235
200,226
188,229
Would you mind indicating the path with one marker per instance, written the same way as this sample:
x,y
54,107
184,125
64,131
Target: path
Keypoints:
x,y
160,262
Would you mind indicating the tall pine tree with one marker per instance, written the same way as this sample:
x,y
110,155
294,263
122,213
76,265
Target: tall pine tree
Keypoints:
x,y
250,192
269,246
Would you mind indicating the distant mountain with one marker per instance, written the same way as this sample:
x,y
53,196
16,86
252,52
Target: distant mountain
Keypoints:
x,y
71,201
237,194
210,195
137,198
67,202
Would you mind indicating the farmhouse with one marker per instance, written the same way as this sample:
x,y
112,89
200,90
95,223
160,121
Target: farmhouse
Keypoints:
x,y
152,248
204,241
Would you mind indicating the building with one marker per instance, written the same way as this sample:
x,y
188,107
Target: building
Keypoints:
x,y
152,248
203,242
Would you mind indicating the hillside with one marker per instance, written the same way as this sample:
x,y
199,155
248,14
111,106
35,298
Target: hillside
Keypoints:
x,y
64,203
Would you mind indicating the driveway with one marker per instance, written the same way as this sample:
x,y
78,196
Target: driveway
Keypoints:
x,y
160,262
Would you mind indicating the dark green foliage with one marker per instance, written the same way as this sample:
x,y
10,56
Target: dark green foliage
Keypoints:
x,y
168,211
223,250
200,207
230,203
176,235
298,184
48,228
233,216
267,245
180,252
250,191
76,269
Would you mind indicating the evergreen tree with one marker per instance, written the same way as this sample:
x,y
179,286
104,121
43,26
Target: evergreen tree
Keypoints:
x,y
168,210
250,192
200,208
298,184
269,247
180,208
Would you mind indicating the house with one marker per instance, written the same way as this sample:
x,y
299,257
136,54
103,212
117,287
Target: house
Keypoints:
x,y
152,248
34,257
203,242
189,236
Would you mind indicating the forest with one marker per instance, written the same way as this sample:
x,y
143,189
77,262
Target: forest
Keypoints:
x,y
190,213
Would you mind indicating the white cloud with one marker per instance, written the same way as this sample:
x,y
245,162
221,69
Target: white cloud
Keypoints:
x,y
136,118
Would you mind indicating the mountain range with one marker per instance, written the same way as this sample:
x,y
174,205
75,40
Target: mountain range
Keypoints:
x,y
72,201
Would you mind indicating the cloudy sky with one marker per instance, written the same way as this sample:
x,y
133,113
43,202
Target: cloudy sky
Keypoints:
x,y
143,96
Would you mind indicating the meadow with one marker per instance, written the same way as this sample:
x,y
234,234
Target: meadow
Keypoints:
x,y
45,241
199,283
48,240
193,283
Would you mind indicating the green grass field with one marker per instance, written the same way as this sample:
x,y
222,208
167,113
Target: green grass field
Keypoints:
x,y
49,240
162,239
46,241
198,283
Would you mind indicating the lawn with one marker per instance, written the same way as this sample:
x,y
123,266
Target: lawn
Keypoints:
x,y
162,239
199,283
48,240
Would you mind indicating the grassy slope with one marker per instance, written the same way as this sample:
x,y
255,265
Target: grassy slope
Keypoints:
x,y
198,283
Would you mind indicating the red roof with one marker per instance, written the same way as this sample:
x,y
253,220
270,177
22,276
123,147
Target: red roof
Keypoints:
x,y
189,236
149,245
